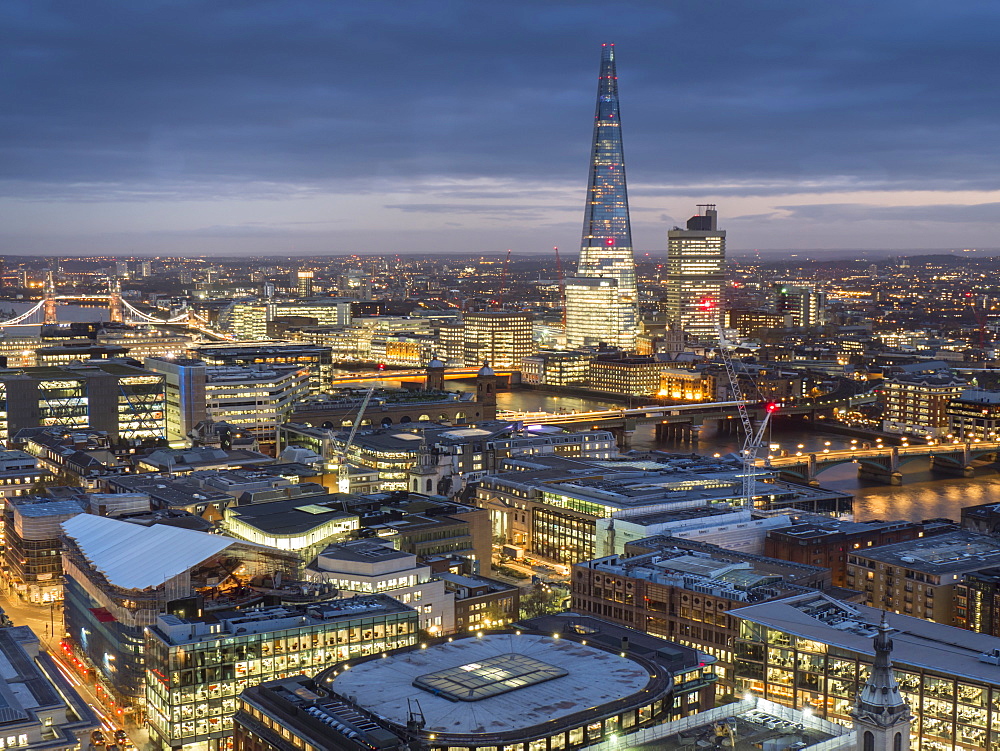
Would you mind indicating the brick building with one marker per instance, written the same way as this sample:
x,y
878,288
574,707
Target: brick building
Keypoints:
x,y
683,590
828,543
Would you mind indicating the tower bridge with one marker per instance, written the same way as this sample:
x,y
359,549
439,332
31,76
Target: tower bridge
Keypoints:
x,y
120,310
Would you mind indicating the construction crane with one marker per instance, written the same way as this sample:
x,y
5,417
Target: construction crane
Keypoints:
x,y
343,468
753,441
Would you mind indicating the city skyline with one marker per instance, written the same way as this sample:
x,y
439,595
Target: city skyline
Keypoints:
x,y
385,129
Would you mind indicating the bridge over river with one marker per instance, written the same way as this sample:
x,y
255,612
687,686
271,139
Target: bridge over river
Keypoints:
x,y
884,463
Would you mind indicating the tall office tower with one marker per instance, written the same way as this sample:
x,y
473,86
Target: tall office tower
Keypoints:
x,y
696,260
304,283
606,310
146,269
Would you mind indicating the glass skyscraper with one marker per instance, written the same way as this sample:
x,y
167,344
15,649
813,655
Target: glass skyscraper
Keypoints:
x,y
605,312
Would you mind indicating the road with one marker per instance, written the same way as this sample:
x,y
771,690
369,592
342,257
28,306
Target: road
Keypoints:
x,y
41,619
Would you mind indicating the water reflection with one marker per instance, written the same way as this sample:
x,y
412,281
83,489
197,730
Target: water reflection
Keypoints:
x,y
922,495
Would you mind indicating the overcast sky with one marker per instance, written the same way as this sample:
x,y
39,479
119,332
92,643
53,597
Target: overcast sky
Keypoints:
x,y
327,126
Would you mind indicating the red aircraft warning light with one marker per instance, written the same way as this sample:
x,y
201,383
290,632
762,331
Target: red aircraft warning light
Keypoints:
x,y
772,407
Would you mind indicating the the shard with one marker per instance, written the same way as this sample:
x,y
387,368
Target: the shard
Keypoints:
x,y
601,300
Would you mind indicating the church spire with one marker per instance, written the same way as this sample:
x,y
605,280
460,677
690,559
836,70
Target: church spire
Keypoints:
x,y
881,715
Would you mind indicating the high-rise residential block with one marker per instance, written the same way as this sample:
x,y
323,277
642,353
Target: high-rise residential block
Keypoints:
x,y
696,259
605,310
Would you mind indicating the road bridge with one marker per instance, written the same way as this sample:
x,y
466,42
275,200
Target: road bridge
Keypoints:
x,y
884,463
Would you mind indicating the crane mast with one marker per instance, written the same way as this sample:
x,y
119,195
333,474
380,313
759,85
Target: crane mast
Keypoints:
x,y
753,440
343,469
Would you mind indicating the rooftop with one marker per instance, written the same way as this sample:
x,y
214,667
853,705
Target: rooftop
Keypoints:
x,y
946,650
577,678
176,630
953,552
132,556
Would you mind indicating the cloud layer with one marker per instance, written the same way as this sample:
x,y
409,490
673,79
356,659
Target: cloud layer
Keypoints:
x,y
311,126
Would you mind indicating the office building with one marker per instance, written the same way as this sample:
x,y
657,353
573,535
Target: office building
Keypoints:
x,y
977,601
19,473
754,323
543,686
553,506
33,546
245,319
829,542
918,404
304,283
687,385
253,399
482,603
637,375
919,577
696,273
974,415
556,368
119,577
188,704
805,305
319,360
362,567
602,301
327,311
813,652
125,401
300,524
41,710
501,339
683,590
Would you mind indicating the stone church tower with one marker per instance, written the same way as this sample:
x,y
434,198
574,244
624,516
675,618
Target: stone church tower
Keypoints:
x,y
881,715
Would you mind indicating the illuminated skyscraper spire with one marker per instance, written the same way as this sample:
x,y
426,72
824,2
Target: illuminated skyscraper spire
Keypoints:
x,y
606,249
605,311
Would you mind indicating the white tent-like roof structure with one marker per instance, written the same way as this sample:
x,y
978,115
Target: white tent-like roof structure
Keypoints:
x,y
132,556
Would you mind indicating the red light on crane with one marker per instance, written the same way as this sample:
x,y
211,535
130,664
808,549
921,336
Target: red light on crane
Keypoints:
x,y
772,407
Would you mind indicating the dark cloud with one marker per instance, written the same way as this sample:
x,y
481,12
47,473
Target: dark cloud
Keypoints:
x,y
156,101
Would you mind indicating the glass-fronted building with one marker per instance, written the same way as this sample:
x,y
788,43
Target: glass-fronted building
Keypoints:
x,y
196,668
812,651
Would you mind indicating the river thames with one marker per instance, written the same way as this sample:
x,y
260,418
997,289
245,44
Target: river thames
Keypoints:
x,y
922,495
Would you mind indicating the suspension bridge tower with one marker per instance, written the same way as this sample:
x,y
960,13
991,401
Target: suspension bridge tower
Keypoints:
x,y
115,307
49,297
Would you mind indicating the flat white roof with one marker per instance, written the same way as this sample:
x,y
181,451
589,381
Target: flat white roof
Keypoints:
x,y
133,556
592,677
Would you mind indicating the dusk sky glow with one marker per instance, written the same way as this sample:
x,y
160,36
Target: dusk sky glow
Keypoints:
x,y
308,126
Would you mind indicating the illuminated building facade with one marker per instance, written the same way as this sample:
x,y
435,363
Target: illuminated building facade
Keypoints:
x,y
255,399
696,259
974,414
634,374
304,283
501,339
188,704
687,385
806,305
814,652
125,401
605,312
917,404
